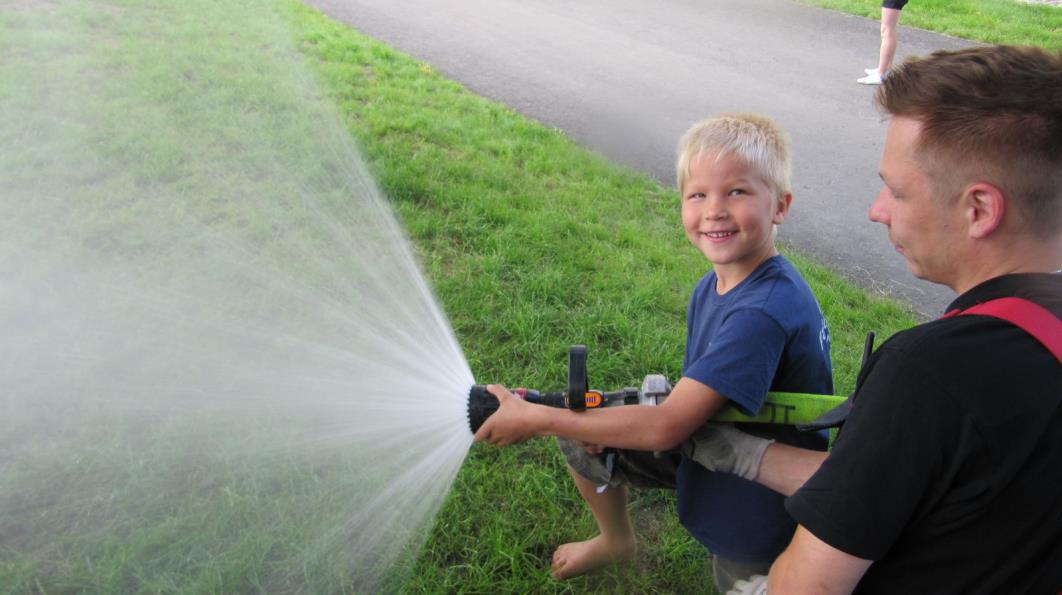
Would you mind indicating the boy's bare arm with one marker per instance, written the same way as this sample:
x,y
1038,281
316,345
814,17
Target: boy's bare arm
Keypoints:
x,y
637,427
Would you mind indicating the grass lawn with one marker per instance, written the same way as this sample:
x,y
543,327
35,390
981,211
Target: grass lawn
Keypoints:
x,y
531,243
990,21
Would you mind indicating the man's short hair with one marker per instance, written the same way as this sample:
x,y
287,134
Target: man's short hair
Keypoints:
x,y
988,114
756,139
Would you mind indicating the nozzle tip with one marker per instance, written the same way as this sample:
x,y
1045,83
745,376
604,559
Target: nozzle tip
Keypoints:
x,y
481,404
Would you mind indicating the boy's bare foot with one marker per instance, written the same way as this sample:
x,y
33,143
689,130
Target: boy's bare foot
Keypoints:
x,y
573,559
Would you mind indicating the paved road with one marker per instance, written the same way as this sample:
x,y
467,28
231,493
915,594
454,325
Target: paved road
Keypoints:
x,y
628,77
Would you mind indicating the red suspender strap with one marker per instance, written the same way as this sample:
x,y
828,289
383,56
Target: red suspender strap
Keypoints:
x,y
1028,316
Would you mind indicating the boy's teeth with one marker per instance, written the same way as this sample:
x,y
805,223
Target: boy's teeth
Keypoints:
x,y
718,234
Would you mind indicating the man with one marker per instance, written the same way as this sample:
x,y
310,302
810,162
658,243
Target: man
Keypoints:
x,y
947,475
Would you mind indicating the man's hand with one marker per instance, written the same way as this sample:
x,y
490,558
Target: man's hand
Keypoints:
x,y
515,420
724,448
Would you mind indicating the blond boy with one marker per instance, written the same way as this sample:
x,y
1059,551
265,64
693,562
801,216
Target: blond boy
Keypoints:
x,y
753,326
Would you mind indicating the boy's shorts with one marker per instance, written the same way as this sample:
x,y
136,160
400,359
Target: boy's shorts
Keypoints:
x,y
894,4
634,468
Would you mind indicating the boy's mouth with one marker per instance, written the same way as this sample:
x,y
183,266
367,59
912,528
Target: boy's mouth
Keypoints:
x,y
718,236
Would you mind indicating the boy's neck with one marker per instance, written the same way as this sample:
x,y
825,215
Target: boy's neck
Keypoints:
x,y
729,276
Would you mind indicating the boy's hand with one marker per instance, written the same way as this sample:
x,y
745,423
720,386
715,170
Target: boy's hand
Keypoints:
x,y
515,420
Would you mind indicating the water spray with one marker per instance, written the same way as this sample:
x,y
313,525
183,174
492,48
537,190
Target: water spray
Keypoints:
x,y
798,409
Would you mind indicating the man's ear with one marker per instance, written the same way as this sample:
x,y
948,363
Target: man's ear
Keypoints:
x,y
983,205
782,208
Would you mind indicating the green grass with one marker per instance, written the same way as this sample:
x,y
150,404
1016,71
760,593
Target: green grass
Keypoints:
x,y
531,243
991,21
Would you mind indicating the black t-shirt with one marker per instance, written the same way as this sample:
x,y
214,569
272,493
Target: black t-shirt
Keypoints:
x,y
948,473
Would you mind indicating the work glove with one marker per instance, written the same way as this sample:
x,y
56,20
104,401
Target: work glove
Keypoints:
x,y
756,585
724,448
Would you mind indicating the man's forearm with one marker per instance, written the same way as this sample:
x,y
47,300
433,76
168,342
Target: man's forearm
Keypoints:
x,y
786,468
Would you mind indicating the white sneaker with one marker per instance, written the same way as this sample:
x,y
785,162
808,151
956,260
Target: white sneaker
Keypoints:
x,y
870,79
870,70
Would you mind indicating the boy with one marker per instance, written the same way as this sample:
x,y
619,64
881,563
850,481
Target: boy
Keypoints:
x,y
753,326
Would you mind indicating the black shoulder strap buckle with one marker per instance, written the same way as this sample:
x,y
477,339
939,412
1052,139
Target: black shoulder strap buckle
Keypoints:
x,y
834,418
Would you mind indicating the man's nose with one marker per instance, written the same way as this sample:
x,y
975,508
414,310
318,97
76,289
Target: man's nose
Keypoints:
x,y
879,209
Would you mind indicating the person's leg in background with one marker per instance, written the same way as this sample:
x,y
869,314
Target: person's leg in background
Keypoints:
x,y
890,18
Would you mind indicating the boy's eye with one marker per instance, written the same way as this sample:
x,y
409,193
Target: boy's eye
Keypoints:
x,y
695,195
736,191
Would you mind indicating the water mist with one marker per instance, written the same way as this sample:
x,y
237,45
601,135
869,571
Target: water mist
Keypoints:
x,y
221,367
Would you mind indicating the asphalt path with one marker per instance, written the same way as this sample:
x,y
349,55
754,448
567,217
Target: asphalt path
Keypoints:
x,y
628,77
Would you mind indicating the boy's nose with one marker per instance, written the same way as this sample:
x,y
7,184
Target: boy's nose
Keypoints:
x,y
713,209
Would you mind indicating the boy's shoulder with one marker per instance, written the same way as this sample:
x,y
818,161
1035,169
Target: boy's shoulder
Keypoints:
x,y
775,288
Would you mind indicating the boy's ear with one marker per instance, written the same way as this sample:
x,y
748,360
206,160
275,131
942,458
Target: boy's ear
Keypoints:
x,y
782,207
983,206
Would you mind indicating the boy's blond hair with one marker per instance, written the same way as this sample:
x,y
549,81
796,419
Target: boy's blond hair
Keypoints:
x,y
755,139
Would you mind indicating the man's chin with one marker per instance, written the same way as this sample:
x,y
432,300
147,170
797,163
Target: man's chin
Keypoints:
x,y
921,274
917,272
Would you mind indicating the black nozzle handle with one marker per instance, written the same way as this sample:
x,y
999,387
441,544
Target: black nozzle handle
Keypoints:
x,y
578,383
559,400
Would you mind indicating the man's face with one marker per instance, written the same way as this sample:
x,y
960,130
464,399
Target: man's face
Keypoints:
x,y
924,228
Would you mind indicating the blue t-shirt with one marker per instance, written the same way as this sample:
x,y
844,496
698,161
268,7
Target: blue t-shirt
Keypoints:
x,y
766,334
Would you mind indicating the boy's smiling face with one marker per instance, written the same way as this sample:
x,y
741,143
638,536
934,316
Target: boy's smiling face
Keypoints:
x,y
729,213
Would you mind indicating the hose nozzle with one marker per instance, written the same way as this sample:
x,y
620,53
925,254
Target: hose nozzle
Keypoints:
x,y
481,404
577,397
